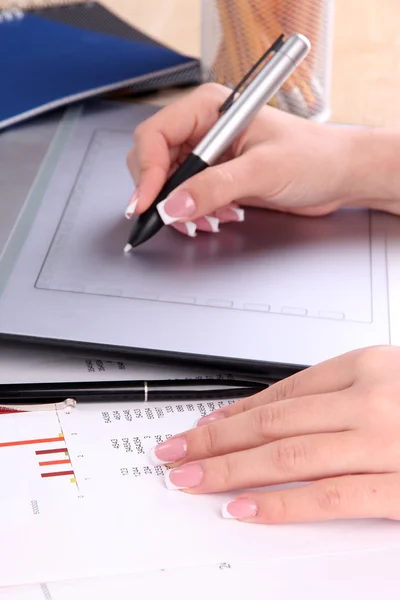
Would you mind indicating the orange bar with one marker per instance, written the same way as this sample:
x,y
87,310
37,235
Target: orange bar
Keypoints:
x,y
60,438
54,462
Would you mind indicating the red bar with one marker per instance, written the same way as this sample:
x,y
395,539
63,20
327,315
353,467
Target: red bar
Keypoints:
x,y
27,442
53,451
55,462
58,474
8,411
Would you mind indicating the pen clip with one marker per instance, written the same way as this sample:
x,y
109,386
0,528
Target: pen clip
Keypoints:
x,y
278,43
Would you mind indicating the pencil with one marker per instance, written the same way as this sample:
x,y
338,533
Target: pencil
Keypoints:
x,y
234,59
297,93
249,27
226,66
307,17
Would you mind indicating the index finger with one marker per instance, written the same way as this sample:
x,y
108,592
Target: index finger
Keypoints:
x,y
332,375
157,139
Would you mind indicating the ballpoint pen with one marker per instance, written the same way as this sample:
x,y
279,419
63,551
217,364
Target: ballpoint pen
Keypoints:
x,y
237,113
140,391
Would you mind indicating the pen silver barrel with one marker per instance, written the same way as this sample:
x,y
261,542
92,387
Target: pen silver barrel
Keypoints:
x,y
263,87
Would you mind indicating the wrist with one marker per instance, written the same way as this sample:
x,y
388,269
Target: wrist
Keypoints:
x,y
374,173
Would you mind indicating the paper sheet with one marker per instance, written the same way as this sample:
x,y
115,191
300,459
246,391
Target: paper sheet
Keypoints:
x,y
359,575
79,499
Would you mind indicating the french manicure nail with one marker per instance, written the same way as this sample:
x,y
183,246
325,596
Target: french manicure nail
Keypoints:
x,y
178,205
207,223
181,478
187,228
242,508
230,214
169,451
214,416
130,210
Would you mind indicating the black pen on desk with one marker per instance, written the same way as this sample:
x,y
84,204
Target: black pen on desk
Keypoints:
x,y
236,115
34,394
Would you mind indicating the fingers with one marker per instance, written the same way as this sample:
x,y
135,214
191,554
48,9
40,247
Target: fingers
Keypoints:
x,y
330,376
150,175
213,189
261,425
302,458
211,223
158,140
347,497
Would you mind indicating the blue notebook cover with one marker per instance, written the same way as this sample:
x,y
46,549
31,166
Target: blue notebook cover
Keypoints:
x,y
55,56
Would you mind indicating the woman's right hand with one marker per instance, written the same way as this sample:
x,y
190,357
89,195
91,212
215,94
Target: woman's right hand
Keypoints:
x,y
279,162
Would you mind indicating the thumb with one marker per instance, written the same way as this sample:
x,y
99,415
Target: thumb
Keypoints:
x,y
211,189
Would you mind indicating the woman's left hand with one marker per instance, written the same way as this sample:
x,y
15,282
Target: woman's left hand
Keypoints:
x,y
335,425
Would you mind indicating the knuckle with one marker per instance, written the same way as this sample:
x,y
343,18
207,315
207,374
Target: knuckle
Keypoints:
x,y
210,439
331,498
288,456
284,389
372,359
371,401
268,419
226,472
223,176
379,408
277,510
217,182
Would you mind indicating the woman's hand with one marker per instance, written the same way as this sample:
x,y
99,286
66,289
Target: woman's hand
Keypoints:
x,y
279,162
335,425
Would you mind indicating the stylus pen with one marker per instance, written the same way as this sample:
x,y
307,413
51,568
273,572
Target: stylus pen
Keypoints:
x,y
289,54
142,391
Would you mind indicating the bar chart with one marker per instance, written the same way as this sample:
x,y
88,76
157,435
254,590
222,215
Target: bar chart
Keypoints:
x,y
52,456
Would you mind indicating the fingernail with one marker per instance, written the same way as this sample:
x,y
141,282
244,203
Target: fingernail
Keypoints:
x,y
214,416
130,210
243,508
178,205
169,451
229,214
187,228
181,478
210,224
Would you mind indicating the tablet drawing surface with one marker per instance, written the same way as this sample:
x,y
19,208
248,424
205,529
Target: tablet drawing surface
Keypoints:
x,y
265,264
275,288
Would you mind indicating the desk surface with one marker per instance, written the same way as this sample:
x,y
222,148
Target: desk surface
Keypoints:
x,y
366,52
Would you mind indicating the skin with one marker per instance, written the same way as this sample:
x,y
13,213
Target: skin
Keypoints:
x,y
334,426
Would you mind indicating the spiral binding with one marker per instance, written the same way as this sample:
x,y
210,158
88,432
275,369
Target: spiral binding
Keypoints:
x,y
11,11
38,4
11,14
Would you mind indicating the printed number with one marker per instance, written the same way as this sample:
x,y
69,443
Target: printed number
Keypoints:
x,y
35,507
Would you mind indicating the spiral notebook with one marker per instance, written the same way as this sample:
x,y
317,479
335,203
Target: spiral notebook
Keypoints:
x,y
57,55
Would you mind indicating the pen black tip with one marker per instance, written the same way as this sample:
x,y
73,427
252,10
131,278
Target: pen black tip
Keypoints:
x,y
144,228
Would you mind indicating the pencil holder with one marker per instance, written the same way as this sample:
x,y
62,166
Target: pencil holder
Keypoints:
x,y
235,33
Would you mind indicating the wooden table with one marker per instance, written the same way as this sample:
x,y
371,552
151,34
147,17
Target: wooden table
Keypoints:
x,y
366,52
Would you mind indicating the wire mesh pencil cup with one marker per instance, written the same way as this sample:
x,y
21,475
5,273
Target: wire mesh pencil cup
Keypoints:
x,y
235,33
